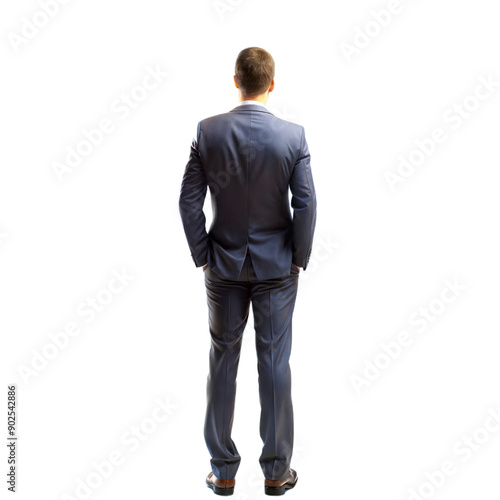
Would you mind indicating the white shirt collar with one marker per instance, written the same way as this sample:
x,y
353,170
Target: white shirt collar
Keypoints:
x,y
252,102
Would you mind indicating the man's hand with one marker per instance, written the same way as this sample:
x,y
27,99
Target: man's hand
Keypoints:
x,y
204,267
297,267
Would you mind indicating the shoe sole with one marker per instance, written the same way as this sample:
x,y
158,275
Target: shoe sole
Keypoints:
x,y
269,490
221,491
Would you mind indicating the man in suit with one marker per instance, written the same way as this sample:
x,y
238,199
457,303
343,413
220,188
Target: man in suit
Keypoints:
x,y
252,253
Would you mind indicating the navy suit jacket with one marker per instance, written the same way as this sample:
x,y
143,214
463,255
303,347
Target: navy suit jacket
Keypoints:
x,y
249,159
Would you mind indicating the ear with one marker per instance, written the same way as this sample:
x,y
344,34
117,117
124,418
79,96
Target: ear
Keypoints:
x,y
235,82
271,87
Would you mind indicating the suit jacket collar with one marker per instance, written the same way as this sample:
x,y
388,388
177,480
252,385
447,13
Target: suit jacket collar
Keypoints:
x,y
250,107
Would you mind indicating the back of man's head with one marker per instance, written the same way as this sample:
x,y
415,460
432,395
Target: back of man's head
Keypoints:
x,y
254,71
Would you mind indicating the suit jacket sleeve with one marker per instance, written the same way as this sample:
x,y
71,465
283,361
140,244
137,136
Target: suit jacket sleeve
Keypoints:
x,y
303,204
191,201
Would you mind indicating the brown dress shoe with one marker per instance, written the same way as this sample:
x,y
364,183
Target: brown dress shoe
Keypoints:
x,y
279,487
220,486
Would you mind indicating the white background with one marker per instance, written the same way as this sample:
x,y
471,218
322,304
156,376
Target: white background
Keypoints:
x,y
379,254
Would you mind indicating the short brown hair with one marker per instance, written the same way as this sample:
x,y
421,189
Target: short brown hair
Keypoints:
x,y
254,71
